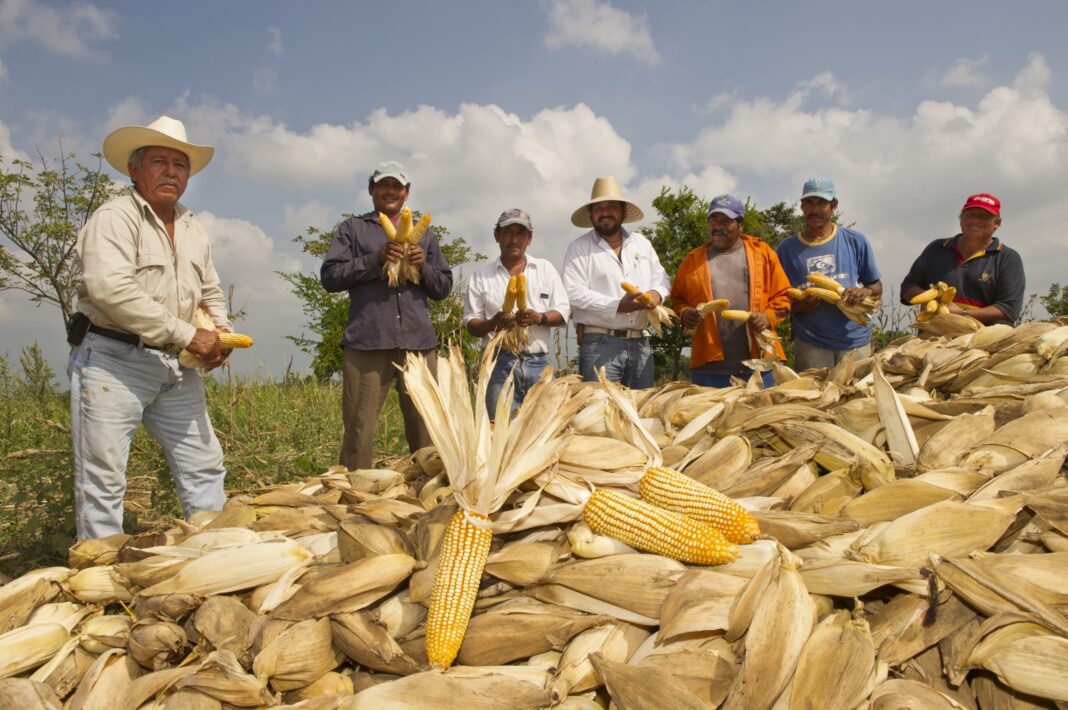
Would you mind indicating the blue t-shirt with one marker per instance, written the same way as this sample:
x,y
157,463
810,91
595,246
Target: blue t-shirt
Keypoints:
x,y
848,259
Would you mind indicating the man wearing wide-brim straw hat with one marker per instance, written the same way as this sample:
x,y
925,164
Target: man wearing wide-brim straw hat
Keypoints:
x,y
146,266
611,322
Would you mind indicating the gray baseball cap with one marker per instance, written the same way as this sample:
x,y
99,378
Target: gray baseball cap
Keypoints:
x,y
393,169
514,216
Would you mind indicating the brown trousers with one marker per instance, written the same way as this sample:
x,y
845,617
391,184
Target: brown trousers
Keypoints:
x,y
366,380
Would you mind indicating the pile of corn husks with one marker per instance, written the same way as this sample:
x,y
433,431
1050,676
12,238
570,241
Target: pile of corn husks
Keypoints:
x,y
917,557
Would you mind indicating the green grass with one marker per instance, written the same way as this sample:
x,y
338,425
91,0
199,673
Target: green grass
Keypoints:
x,y
271,433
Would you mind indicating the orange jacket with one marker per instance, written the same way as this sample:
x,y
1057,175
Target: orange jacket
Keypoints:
x,y
767,293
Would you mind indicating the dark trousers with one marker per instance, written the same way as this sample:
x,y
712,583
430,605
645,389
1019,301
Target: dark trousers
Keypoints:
x,y
367,377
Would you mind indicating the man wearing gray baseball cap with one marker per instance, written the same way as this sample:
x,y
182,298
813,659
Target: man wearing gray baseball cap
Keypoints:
x,y
546,307
385,322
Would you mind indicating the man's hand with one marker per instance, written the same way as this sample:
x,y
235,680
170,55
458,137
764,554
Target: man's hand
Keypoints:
x,y
502,320
691,318
631,302
528,317
390,251
416,255
758,321
855,295
954,308
206,346
807,304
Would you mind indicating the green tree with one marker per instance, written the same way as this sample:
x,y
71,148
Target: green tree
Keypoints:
x,y
1056,301
327,313
42,209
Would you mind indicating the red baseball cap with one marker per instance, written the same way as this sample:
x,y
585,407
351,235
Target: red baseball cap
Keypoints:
x,y
984,201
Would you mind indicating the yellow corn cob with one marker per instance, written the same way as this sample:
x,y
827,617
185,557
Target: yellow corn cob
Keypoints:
x,y
404,225
669,489
521,292
928,295
464,550
664,532
510,294
631,288
795,293
740,316
388,227
947,295
824,294
716,306
419,229
931,306
235,340
821,281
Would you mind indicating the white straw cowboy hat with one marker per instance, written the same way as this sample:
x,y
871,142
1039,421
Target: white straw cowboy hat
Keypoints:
x,y
164,131
606,189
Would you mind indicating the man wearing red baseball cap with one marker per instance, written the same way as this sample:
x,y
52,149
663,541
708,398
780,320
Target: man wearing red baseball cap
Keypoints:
x,y
988,275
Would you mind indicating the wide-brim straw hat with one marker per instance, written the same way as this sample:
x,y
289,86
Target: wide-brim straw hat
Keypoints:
x,y
606,189
164,131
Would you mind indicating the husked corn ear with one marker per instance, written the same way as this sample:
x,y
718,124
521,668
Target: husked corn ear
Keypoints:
x,y
510,295
404,225
464,550
235,340
521,292
824,294
795,293
387,226
948,295
647,527
928,295
931,306
716,306
631,288
419,229
740,316
669,489
823,281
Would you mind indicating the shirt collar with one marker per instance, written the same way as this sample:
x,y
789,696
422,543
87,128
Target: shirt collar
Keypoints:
x,y
954,242
180,210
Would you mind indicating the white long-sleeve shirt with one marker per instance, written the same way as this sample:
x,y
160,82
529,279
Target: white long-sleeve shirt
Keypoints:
x,y
545,292
593,274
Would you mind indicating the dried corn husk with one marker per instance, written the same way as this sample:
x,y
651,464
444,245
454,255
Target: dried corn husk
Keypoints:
x,y
233,569
156,645
29,646
298,656
347,588
837,667
98,585
26,694
460,688
369,644
574,671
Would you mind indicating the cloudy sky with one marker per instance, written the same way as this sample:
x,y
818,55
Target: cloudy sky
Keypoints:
x,y
909,106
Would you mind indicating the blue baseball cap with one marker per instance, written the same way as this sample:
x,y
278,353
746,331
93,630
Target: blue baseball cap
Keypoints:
x,y
822,187
728,205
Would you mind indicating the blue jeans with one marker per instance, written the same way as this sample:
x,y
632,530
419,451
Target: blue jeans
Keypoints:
x,y
114,387
628,361
527,372
704,379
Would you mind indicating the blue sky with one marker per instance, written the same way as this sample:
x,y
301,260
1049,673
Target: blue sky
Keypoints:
x,y
909,106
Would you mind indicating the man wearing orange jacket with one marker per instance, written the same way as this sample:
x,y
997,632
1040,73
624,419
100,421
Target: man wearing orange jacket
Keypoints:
x,y
744,270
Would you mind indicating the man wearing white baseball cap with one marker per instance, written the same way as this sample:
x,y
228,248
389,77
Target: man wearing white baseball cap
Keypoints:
x,y
146,266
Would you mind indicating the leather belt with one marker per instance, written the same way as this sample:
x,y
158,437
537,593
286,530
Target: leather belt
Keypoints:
x,y
125,338
616,333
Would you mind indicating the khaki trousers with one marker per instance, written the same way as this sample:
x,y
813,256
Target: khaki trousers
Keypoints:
x,y
366,380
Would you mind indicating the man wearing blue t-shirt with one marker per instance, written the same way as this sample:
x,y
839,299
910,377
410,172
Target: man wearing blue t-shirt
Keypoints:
x,y
823,335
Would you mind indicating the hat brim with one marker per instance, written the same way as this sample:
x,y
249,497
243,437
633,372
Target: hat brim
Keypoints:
x,y
581,216
122,142
822,195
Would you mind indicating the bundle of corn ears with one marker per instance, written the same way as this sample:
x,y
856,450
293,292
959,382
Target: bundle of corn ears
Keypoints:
x,y
405,234
830,291
656,317
515,299
765,339
934,317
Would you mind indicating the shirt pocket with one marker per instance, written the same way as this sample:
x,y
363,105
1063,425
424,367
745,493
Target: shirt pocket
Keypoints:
x,y
151,274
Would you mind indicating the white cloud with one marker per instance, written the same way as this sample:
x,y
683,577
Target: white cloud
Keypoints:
x,y
966,71
274,45
598,25
297,218
264,80
8,151
3,72
73,30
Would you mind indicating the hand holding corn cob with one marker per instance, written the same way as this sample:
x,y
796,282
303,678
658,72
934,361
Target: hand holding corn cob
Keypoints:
x,y
516,336
850,301
692,317
202,320
656,315
939,315
403,264
759,329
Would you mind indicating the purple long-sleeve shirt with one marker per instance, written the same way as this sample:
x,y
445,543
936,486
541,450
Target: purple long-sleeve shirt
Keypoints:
x,y
383,317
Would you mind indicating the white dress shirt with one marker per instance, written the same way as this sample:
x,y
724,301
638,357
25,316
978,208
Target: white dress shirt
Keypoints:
x,y
545,292
593,274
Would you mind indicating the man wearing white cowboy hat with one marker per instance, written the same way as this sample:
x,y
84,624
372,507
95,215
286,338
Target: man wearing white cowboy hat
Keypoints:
x,y
146,266
610,323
